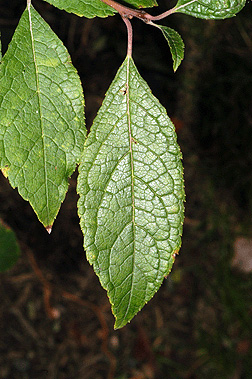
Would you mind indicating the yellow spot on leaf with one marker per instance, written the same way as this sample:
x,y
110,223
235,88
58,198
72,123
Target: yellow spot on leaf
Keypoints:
x,y
5,171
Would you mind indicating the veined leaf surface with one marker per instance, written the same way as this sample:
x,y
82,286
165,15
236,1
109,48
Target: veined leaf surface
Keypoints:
x,y
92,8
210,9
131,194
42,129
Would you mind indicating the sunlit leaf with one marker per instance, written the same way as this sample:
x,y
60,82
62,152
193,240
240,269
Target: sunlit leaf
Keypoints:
x,y
210,9
42,128
131,194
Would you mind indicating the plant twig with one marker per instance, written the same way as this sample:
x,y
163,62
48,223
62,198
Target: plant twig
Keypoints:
x,y
126,11
25,324
129,13
169,12
51,312
105,331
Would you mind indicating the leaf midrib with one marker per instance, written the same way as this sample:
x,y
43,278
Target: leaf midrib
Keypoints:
x,y
132,178
40,110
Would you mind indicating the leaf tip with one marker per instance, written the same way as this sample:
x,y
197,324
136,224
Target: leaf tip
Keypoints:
x,y
119,325
120,322
49,229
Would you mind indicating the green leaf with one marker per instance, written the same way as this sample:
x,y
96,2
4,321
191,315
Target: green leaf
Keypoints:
x,y
92,8
176,45
42,128
9,249
210,9
131,194
141,3
87,8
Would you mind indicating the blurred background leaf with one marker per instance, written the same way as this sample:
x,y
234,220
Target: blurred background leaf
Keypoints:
x,y
9,249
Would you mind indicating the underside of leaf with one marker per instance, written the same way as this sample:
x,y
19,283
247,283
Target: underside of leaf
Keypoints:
x,y
131,194
42,129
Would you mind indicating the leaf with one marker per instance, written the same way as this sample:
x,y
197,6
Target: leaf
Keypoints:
x,y
141,3
176,45
87,8
42,129
92,8
9,249
210,9
131,194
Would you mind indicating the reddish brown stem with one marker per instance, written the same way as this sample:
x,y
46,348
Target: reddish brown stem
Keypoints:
x,y
144,16
126,11
130,35
47,289
167,13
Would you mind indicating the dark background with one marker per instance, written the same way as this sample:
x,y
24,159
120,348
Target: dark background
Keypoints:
x,y
55,319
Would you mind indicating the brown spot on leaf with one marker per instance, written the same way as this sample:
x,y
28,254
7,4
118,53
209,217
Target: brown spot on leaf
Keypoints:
x,y
124,90
133,140
49,229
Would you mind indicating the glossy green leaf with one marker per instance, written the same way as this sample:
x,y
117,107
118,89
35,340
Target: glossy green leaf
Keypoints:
x,y
9,249
176,45
210,9
42,128
131,194
92,8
